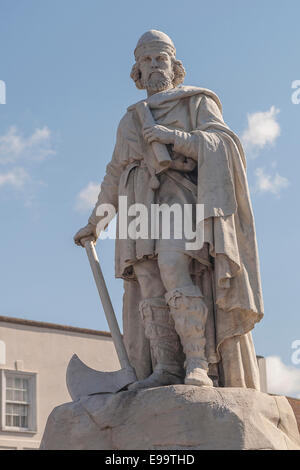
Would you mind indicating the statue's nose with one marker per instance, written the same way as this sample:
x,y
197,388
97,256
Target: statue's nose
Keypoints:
x,y
154,62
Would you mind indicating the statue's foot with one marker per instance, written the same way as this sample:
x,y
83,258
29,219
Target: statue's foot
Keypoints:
x,y
196,373
158,378
198,377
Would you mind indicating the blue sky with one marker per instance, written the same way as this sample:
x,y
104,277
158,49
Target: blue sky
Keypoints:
x,y
66,66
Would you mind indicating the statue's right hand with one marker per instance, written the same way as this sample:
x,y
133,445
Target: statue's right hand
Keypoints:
x,y
89,231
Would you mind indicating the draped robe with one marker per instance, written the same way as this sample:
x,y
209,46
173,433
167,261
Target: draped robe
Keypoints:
x,y
231,285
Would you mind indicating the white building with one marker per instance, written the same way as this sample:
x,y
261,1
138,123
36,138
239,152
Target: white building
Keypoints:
x,y
33,361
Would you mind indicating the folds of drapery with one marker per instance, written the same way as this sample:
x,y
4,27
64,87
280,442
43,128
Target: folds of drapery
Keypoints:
x,y
232,239
229,226
232,290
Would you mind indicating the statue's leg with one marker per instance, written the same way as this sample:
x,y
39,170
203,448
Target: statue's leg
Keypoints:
x,y
159,326
148,276
189,313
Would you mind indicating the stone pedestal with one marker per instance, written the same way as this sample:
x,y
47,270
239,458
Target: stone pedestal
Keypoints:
x,y
174,417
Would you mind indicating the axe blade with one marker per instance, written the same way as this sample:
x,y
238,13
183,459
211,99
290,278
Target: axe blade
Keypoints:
x,y
83,380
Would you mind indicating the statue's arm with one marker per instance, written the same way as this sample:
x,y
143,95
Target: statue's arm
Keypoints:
x,y
109,188
207,115
187,143
108,195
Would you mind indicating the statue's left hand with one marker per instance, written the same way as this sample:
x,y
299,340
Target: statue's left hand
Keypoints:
x,y
159,134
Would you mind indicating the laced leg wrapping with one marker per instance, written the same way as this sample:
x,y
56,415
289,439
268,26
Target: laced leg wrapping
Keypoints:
x,y
190,313
164,342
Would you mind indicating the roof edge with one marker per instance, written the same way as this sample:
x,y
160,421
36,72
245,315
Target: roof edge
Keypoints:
x,y
53,326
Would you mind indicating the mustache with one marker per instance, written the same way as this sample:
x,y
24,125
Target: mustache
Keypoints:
x,y
161,72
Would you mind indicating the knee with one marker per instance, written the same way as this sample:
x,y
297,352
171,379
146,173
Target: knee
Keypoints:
x,y
149,279
174,269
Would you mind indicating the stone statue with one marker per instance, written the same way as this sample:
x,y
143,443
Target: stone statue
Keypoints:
x,y
188,313
190,302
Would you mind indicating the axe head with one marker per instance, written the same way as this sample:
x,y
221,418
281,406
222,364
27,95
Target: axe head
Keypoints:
x,y
83,381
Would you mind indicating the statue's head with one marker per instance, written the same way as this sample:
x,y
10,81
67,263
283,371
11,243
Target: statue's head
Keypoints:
x,y
156,67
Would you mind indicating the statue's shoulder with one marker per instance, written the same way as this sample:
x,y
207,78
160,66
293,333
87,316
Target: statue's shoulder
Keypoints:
x,y
127,125
195,91
126,119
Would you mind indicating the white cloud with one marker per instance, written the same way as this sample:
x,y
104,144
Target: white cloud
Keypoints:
x,y
16,177
14,146
17,154
282,379
87,197
267,183
263,129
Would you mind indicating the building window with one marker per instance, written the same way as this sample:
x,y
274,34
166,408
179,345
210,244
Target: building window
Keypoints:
x,y
19,401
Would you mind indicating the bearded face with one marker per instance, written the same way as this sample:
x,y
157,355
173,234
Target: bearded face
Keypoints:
x,y
156,72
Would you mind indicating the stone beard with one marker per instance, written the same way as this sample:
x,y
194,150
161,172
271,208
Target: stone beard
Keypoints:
x,y
158,81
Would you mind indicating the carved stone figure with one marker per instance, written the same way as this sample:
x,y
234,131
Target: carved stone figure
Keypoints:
x,y
188,313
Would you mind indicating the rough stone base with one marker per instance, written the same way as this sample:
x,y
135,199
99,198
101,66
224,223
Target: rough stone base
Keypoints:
x,y
174,417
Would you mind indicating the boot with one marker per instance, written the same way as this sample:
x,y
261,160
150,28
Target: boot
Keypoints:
x,y
189,313
164,343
